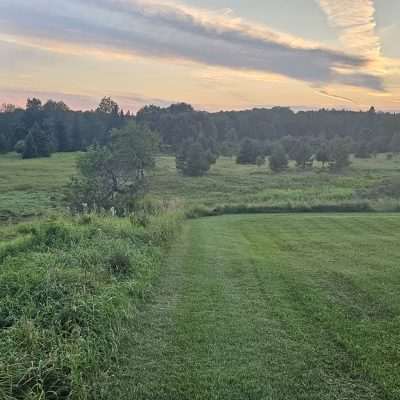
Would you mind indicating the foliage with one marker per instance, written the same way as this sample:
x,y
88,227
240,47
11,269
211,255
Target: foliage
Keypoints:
x,y
249,151
194,160
340,153
278,160
114,175
303,154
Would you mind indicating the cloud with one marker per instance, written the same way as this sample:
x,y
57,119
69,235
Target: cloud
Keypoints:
x,y
335,96
173,31
356,21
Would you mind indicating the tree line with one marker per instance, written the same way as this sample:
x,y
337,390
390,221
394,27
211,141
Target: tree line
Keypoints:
x,y
41,129
197,138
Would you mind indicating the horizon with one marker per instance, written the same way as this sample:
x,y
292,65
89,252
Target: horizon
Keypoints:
x,y
295,110
217,55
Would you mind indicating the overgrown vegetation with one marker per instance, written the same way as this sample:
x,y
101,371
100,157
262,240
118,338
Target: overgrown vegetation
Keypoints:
x,y
113,176
70,290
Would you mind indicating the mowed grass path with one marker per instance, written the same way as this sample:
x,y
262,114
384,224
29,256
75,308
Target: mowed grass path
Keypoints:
x,y
273,307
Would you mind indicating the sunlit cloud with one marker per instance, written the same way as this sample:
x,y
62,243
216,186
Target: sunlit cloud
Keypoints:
x,y
173,31
356,22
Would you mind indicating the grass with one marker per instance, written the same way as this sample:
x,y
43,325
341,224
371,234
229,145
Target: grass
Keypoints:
x,y
30,188
70,291
299,306
273,307
230,186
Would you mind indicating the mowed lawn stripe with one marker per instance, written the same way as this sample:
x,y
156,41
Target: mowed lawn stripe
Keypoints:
x,y
273,307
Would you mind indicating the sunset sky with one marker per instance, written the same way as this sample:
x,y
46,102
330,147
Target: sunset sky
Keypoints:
x,y
214,54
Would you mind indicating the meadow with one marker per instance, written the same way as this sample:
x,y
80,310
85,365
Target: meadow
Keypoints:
x,y
32,188
288,306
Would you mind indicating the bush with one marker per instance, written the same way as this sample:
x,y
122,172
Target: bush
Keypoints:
x,y
278,160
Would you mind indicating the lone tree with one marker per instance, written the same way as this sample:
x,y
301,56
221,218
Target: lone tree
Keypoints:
x,y
114,175
278,160
193,160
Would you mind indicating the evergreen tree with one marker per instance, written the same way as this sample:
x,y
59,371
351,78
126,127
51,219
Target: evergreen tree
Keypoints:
x,y
248,153
197,162
42,141
302,154
61,136
76,138
30,149
3,144
278,159
395,143
339,153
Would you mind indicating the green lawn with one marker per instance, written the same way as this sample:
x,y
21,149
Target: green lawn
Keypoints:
x,y
273,307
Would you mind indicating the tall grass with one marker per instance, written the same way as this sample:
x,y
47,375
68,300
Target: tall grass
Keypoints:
x,y
70,289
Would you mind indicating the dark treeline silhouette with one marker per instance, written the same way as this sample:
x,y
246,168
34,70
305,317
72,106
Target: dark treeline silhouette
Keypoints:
x,y
40,129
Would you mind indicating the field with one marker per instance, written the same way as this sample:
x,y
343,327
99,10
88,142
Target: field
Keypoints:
x,y
267,306
30,188
274,307
238,188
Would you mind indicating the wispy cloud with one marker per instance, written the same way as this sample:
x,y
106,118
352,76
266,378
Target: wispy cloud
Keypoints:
x,y
335,96
170,30
356,21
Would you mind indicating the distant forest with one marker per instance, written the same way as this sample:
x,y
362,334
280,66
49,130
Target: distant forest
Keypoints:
x,y
40,129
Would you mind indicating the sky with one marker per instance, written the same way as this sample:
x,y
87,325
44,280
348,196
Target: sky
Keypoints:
x,y
214,54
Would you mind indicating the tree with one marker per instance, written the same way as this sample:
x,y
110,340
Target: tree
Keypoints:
x,y
42,141
76,138
248,153
339,153
193,160
323,154
33,113
260,161
108,106
395,143
302,154
61,137
7,108
3,144
114,175
30,150
19,147
278,159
